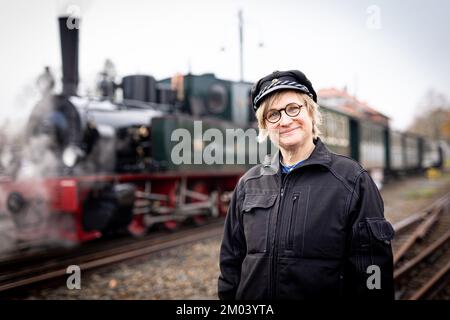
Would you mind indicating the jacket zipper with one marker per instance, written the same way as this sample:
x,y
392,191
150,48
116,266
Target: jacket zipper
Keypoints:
x,y
289,240
273,265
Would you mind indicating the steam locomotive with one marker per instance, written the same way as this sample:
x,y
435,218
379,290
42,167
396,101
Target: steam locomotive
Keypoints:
x,y
97,166
105,165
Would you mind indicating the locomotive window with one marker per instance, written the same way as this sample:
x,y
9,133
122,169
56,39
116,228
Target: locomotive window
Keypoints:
x,y
217,98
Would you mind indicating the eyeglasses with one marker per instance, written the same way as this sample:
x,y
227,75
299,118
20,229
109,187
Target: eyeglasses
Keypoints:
x,y
292,110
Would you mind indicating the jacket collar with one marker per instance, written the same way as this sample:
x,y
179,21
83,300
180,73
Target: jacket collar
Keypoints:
x,y
320,156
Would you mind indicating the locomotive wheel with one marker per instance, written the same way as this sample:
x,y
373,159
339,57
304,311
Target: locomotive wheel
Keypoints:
x,y
198,220
171,225
137,227
199,187
222,205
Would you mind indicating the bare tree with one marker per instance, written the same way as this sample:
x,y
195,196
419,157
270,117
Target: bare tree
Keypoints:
x,y
433,116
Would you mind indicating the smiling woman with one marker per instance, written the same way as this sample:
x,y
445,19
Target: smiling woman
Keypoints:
x,y
308,108
290,117
310,224
289,124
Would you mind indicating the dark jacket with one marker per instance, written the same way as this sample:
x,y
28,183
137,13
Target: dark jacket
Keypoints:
x,y
313,234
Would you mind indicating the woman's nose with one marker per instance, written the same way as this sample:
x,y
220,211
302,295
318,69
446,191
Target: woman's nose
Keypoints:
x,y
285,119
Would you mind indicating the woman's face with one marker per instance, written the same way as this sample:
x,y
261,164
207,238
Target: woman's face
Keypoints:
x,y
290,132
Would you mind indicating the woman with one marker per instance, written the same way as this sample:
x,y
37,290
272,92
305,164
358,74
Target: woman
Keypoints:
x,y
310,223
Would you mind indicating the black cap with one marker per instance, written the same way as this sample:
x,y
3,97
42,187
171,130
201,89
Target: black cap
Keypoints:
x,y
281,80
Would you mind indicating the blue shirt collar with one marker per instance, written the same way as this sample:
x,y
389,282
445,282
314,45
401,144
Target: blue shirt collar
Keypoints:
x,y
287,169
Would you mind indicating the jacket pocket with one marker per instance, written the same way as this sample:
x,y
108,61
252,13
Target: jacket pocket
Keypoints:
x,y
256,209
375,235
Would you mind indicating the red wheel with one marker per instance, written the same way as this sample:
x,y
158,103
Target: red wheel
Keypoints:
x,y
171,225
137,226
222,203
172,194
199,187
199,220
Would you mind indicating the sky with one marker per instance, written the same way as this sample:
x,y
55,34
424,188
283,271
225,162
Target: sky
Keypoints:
x,y
387,53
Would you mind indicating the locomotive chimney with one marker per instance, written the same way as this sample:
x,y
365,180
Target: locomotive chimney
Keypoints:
x,y
68,30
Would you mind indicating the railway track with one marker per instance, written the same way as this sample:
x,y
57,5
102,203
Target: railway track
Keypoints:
x,y
422,252
20,273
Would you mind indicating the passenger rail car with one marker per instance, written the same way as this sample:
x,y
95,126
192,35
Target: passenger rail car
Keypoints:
x,y
383,152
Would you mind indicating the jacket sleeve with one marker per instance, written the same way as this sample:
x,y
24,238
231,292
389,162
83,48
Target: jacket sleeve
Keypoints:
x,y
369,262
233,248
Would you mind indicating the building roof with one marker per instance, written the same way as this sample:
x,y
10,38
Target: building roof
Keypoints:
x,y
343,101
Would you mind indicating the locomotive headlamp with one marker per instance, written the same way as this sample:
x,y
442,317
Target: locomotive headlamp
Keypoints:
x,y
143,132
71,155
16,202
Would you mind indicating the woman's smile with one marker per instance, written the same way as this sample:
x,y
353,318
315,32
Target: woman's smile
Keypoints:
x,y
288,131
